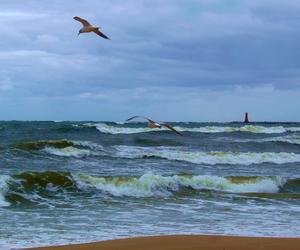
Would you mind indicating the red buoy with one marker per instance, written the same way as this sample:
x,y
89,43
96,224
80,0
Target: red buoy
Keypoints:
x,y
246,120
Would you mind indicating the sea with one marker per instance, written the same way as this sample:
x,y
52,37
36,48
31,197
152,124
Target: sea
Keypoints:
x,y
65,182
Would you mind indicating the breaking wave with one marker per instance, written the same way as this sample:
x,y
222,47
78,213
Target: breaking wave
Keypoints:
x,y
37,187
82,149
208,158
281,139
156,185
36,145
66,148
112,129
3,189
69,152
247,128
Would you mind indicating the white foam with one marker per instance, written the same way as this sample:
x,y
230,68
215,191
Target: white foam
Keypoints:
x,y
88,144
293,129
262,185
111,129
208,158
246,128
69,152
145,186
3,189
157,185
285,139
291,139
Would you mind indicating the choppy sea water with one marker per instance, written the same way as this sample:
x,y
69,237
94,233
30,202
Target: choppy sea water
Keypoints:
x,y
67,182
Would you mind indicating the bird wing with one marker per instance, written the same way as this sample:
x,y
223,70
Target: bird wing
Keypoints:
x,y
131,118
137,116
171,128
99,33
83,21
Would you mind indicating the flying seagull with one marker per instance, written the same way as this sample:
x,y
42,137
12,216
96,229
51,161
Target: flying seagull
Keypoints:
x,y
153,124
87,27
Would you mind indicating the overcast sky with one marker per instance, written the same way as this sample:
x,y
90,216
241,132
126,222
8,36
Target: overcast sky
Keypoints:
x,y
174,60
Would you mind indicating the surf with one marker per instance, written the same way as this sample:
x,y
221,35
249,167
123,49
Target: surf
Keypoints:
x,y
136,129
207,158
43,187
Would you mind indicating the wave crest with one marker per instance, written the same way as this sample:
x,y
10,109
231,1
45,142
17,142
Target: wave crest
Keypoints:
x,y
291,139
110,129
37,145
39,187
247,128
66,148
257,129
3,190
69,152
207,158
156,185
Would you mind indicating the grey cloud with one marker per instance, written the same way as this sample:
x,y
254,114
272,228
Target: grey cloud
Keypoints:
x,y
195,46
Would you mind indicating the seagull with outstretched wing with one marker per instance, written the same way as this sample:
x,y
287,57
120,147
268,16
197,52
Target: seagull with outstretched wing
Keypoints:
x,y
87,27
153,124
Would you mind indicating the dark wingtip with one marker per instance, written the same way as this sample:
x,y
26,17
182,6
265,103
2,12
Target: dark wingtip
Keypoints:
x,y
178,133
129,119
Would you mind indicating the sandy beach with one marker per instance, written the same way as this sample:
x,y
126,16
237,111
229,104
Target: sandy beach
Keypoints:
x,y
187,242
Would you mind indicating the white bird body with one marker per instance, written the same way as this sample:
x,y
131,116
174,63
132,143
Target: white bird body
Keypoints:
x,y
153,124
87,29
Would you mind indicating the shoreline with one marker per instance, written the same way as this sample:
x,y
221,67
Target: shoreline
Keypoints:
x,y
185,242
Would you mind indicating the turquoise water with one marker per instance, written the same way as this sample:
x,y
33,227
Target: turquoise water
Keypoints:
x,y
67,182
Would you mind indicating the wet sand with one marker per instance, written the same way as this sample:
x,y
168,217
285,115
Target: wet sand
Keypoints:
x,y
187,242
